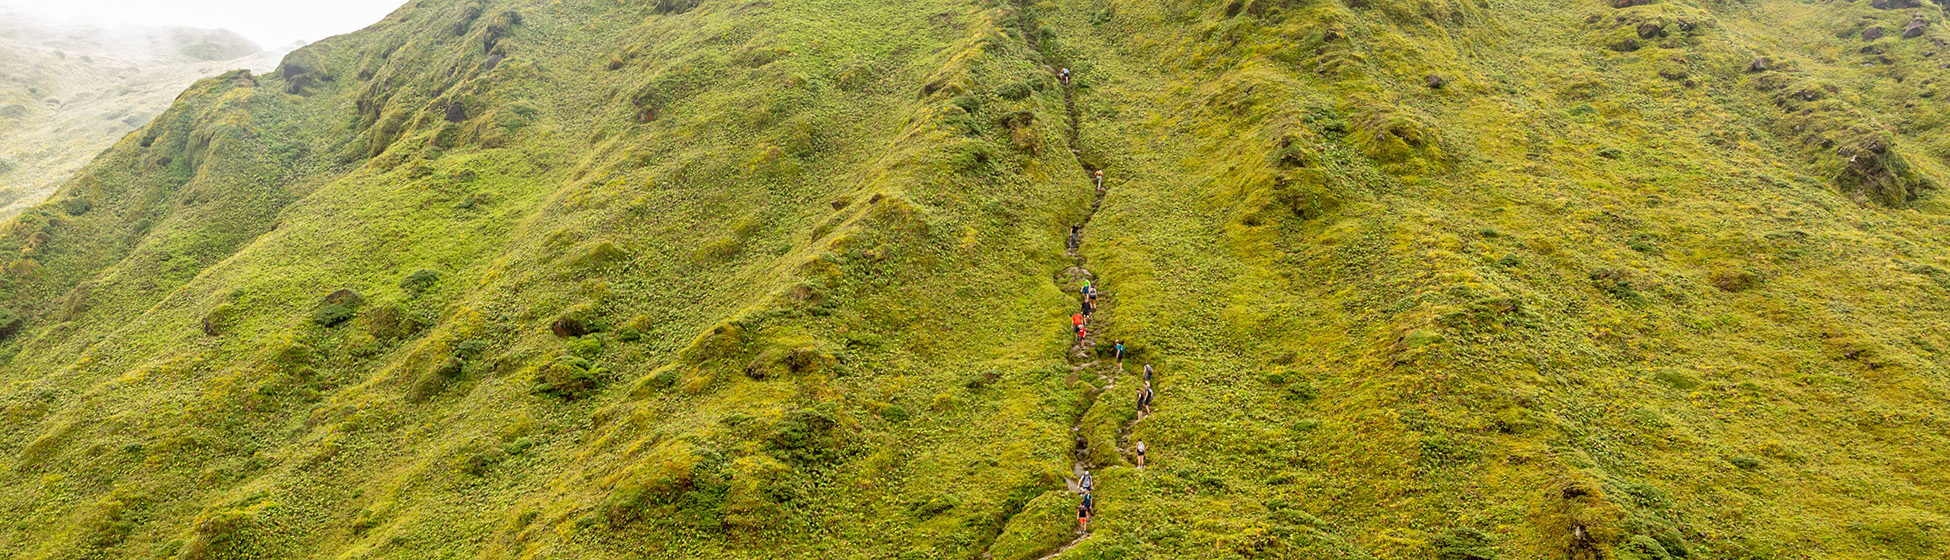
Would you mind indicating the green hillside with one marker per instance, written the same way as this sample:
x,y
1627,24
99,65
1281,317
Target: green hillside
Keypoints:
x,y
67,91
789,279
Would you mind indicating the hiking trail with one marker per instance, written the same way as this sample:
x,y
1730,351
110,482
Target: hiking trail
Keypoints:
x,y
1082,355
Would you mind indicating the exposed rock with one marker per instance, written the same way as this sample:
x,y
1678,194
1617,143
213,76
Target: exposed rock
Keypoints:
x,y
1895,4
1627,45
1915,28
1872,34
456,112
1651,30
1622,4
10,323
568,327
1435,82
345,297
1759,64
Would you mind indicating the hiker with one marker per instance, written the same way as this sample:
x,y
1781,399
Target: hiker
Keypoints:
x,y
1147,373
1083,517
1141,405
1120,355
1086,289
1100,179
1076,324
1082,333
1149,395
1140,454
1076,236
1088,308
1086,483
1065,75
1089,504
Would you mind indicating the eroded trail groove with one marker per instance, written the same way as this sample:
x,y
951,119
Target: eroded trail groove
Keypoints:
x,y
1085,364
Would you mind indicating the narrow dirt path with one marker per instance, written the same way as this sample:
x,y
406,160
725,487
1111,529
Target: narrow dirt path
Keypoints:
x,y
1082,356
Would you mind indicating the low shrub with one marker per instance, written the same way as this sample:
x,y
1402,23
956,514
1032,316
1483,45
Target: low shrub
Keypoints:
x,y
1301,391
419,281
570,378
1463,543
10,323
331,315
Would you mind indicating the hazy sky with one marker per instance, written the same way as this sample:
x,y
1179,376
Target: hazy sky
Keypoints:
x,y
271,23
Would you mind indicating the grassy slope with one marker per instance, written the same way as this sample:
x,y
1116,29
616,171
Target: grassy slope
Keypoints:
x,y
68,92
1460,388
1384,313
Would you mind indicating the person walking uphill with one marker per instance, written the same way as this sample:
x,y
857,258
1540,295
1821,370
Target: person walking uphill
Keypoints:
x,y
1064,75
1120,356
1099,175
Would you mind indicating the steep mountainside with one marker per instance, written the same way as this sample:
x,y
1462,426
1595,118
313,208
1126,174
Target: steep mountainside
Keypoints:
x,y
789,279
67,92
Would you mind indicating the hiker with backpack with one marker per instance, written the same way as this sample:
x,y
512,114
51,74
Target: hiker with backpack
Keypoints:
x,y
1120,356
1076,236
1099,175
1140,454
1064,74
1147,373
1086,483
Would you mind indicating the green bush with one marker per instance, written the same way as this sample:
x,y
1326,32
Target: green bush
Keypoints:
x,y
659,380
331,315
978,381
894,413
10,323
1016,91
419,281
1642,547
76,206
570,378
806,436
1463,543
1302,391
